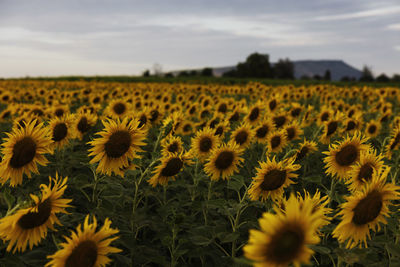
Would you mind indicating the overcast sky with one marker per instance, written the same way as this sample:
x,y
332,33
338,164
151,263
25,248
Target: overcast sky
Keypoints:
x,y
87,37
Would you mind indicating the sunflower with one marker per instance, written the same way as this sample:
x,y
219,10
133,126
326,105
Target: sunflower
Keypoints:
x,y
272,178
324,115
393,143
284,237
29,226
352,125
170,166
255,113
343,155
365,209
263,130
23,149
280,120
363,170
171,144
331,127
61,130
319,205
224,161
293,131
373,128
221,128
276,141
305,148
86,247
83,122
58,111
203,143
117,109
118,144
242,135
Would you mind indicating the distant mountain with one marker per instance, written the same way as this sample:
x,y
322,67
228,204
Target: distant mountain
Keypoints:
x,y
310,68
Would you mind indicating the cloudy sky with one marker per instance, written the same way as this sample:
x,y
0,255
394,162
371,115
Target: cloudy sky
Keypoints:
x,y
87,37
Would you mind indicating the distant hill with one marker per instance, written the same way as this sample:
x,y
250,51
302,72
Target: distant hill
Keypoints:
x,y
338,69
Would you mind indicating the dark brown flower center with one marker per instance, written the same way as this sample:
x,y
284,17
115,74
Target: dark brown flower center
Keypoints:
x,y
142,121
241,137
83,255
173,147
372,129
219,131
35,219
396,141
119,108
275,141
279,121
295,112
291,133
273,179
331,129
59,112
272,104
172,168
224,160
254,114
351,125
302,153
222,108
347,155
154,114
365,172
368,208
205,144
23,152
60,131
234,117
325,116
118,144
83,125
262,131
285,245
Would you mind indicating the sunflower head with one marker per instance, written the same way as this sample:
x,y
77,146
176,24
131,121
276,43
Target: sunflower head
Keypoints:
x,y
343,155
284,237
224,161
272,178
276,141
23,149
29,226
365,210
170,167
86,246
119,143
204,142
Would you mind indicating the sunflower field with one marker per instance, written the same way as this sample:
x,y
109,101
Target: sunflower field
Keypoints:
x,y
175,174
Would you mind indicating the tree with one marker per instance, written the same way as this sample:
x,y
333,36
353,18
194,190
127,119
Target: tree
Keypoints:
x,y
396,78
366,75
327,75
284,69
383,78
183,74
169,75
193,73
207,72
146,73
255,66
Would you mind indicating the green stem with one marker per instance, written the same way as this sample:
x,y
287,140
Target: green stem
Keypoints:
x,y
237,219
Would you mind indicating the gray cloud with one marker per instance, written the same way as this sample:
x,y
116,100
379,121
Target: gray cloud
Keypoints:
x,y
124,37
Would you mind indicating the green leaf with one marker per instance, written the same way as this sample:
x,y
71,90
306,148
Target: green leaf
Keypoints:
x,y
229,238
200,240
